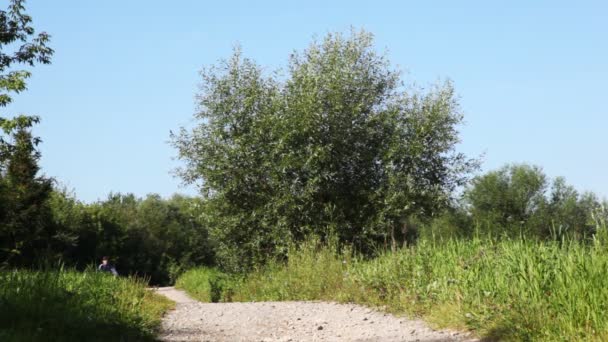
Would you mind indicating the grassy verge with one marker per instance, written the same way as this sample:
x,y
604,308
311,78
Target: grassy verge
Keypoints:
x,y
206,284
75,306
509,290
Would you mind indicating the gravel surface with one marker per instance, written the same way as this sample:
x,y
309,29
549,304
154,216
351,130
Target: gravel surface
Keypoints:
x,y
289,321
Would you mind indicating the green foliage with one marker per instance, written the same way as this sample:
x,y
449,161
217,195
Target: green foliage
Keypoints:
x,y
208,285
73,306
514,201
25,232
312,272
337,147
507,197
453,222
569,213
510,290
18,45
151,237
505,290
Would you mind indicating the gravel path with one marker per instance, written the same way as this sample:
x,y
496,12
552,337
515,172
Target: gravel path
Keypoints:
x,y
289,321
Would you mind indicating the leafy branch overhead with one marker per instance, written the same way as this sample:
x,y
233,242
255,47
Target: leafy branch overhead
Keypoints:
x,y
19,45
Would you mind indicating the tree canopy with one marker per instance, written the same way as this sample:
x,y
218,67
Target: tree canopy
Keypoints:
x,y
519,199
335,146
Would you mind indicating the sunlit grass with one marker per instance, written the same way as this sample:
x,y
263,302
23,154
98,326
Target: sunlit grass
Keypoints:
x,y
204,284
509,290
74,306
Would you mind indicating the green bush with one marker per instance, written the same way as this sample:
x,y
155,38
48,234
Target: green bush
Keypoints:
x,y
74,306
207,284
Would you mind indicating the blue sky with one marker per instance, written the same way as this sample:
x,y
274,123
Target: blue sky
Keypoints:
x,y
531,76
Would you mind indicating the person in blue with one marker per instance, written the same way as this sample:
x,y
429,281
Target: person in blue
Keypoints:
x,y
106,267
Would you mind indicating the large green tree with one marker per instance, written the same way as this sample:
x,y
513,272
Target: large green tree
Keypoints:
x,y
334,146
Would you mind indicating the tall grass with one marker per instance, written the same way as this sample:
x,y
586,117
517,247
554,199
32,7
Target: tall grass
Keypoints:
x,y
74,306
508,290
205,284
511,289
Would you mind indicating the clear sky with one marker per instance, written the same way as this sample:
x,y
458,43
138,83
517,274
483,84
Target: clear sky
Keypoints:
x,y
531,76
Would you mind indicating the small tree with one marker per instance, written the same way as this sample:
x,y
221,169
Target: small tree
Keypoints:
x,y
336,148
25,226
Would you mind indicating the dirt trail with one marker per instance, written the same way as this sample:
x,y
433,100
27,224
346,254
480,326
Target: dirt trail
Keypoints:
x,y
289,321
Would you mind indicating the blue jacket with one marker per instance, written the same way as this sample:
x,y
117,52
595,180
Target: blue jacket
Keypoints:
x,y
107,268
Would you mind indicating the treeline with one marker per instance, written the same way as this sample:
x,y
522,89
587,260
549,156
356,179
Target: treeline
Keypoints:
x,y
151,236
41,225
520,201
